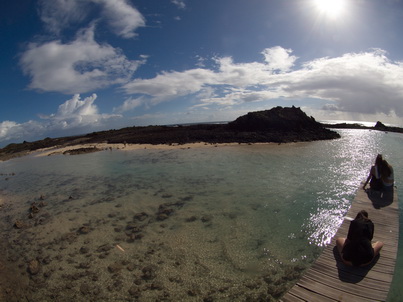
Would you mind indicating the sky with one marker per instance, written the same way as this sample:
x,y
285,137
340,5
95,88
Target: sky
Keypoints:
x,y
76,66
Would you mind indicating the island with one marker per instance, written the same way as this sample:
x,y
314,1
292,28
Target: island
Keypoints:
x,y
277,125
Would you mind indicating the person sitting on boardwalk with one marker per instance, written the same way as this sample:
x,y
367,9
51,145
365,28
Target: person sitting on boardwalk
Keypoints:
x,y
374,177
357,249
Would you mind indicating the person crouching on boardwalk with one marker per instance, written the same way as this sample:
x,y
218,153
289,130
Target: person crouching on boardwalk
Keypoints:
x,y
357,248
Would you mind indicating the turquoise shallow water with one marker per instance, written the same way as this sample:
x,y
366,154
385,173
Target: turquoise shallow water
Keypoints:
x,y
220,223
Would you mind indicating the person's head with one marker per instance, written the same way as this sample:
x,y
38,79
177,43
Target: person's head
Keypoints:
x,y
362,215
378,160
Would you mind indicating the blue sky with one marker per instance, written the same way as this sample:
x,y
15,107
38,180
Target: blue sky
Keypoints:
x,y
77,66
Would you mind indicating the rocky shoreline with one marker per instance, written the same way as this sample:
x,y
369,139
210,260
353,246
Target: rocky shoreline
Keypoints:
x,y
277,125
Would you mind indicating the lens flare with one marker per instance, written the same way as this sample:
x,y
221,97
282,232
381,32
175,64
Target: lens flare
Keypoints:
x,y
330,8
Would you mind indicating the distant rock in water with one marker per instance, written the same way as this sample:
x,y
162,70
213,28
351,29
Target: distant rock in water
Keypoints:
x,y
380,126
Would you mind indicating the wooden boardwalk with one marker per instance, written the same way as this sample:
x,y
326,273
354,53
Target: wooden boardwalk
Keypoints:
x,y
330,280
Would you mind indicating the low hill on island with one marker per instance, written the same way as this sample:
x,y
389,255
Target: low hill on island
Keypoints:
x,y
279,125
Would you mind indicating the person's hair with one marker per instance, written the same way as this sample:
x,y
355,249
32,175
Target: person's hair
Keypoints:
x,y
378,160
362,215
385,169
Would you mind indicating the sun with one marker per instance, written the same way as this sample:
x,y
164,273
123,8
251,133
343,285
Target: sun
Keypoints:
x,y
330,8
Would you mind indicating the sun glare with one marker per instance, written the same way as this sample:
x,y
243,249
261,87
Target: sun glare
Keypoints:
x,y
330,8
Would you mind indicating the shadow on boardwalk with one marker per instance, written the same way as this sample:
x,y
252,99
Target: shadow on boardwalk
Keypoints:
x,y
352,274
380,199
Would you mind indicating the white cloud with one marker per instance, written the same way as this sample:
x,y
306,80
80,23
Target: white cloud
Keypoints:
x,y
167,85
123,18
179,3
76,67
366,82
129,104
357,82
10,130
240,74
73,116
74,113
6,129
278,58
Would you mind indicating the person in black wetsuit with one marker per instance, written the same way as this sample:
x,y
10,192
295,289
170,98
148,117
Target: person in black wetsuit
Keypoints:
x,y
357,248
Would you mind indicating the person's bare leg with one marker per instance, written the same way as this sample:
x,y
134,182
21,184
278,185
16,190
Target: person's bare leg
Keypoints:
x,y
340,244
377,247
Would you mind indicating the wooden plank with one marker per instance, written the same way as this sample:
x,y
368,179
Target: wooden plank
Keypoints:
x,y
337,293
329,279
351,273
307,295
319,277
339,270
292,298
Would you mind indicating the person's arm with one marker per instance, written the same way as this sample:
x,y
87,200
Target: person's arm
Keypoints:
x,y
371,229
351,230
368,178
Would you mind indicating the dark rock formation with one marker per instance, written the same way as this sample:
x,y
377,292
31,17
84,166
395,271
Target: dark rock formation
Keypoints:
x,y
380,126
281,125
277,119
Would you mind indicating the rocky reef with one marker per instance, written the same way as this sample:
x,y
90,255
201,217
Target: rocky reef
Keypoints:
x,y
279,125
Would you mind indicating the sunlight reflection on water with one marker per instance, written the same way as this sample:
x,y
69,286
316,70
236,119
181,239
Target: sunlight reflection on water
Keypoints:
x,y
347,165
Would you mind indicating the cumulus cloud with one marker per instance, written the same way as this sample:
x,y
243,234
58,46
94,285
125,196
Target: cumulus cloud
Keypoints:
x,y
122,17
77,67
357,82
75,115
10,130
366,82
6,129
278,58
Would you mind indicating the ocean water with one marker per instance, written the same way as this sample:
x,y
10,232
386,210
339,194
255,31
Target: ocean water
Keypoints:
x,y
225,223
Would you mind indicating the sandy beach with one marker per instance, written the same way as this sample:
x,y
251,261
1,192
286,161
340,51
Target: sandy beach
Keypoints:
x,y
132,147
